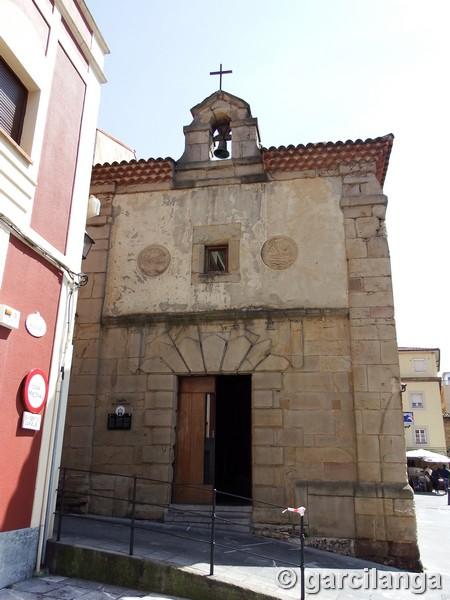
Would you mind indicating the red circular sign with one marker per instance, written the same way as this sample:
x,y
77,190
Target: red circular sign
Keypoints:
x,y
35,390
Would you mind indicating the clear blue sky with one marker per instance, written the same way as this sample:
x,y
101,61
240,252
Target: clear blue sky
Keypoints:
x,y
311,70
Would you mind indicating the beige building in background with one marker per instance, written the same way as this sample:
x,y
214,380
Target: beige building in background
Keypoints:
x,y
445,391
419,371
241,312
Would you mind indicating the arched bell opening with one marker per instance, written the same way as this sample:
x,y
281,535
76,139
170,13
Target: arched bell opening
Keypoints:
x,y
221,135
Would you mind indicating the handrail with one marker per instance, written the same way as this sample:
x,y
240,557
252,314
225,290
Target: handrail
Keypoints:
x,y
64,493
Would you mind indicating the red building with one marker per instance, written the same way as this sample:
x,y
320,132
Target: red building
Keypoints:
x,y
51,70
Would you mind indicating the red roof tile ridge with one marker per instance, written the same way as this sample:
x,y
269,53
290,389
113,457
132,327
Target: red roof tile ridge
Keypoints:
x,y
384,138
135,161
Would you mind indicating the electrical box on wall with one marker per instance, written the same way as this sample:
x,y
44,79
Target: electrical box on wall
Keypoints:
x,y
9,317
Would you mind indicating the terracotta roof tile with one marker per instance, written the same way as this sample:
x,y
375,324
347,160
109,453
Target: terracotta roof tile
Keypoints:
x,y
329,155
153,170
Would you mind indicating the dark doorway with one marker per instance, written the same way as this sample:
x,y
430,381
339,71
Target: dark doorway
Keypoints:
x,y
233,458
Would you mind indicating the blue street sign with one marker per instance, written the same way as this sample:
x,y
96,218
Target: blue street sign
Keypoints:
x,y
408,417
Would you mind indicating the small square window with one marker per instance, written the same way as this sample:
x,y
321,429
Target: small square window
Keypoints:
x,y
421,436
419,365
216,259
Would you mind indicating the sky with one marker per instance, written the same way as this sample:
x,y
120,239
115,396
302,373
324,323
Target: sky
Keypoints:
x,y
311,70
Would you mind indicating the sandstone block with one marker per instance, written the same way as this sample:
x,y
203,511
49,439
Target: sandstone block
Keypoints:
x,y
369,299
235,353
266,381
350,228
369,267
263,436
160,399
213,346
383,378
371,527
157,454
308,382
267,417
379,211
404,507
81,437
360,381
263,398
335,363
369,471
364,332
377,284
273,363
162,436
377,247
83,384
81,416
89,310
331,516
334,471
389,353
366,352
394,472
367,400
266,455
368,448
130,383
161,382
381,312
356,248
289,437
96,261
367,227
158,418
312,421
114,343
268,476
401,528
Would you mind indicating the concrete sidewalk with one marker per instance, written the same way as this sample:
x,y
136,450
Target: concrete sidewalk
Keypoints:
x,y
164,543
54,587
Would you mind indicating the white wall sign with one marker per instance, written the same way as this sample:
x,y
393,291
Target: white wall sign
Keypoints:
x,y
35,324
31,421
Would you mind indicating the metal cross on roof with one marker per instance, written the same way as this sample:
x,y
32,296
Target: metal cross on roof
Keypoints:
x,y
220,72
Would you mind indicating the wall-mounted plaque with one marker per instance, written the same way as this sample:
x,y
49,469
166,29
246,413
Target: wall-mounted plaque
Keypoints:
x,y
153,260
279,252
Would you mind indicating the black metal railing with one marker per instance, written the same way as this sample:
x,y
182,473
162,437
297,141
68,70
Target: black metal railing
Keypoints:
x,y
134,523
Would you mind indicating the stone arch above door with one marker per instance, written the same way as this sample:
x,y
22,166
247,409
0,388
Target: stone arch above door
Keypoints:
x,y
235,347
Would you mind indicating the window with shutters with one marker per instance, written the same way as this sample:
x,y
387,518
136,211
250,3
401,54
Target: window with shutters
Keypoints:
x,y
13,100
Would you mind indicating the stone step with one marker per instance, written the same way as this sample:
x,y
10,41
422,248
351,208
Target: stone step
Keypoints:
x,y
233,518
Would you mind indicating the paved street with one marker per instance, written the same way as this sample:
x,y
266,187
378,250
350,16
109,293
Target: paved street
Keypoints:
x,y
255,572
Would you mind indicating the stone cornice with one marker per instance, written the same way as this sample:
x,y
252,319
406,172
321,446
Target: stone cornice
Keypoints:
x,y
222,315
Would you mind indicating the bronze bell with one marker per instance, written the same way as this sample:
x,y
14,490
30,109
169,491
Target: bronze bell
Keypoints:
x,y
221,150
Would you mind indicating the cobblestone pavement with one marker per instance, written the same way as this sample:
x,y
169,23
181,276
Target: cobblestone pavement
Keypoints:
x,y
53,587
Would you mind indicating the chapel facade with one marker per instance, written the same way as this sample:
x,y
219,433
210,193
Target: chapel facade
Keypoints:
x,y
241,312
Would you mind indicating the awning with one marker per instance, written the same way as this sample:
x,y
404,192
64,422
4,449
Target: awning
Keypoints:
x,y
428,456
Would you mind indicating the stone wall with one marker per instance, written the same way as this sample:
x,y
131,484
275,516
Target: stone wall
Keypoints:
x,y
327,428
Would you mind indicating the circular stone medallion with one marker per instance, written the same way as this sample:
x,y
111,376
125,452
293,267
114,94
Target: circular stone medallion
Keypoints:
x,y
279,253
153,260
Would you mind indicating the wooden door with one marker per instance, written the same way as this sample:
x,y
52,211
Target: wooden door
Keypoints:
x,y
194,450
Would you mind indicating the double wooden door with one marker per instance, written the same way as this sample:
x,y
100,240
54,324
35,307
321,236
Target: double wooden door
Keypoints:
x,y
195,441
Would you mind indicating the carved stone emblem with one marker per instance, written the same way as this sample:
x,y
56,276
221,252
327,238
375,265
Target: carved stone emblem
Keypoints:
x,y
153,260
279,253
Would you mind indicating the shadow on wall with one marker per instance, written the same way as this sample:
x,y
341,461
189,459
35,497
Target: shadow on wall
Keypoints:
x,y
26,443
